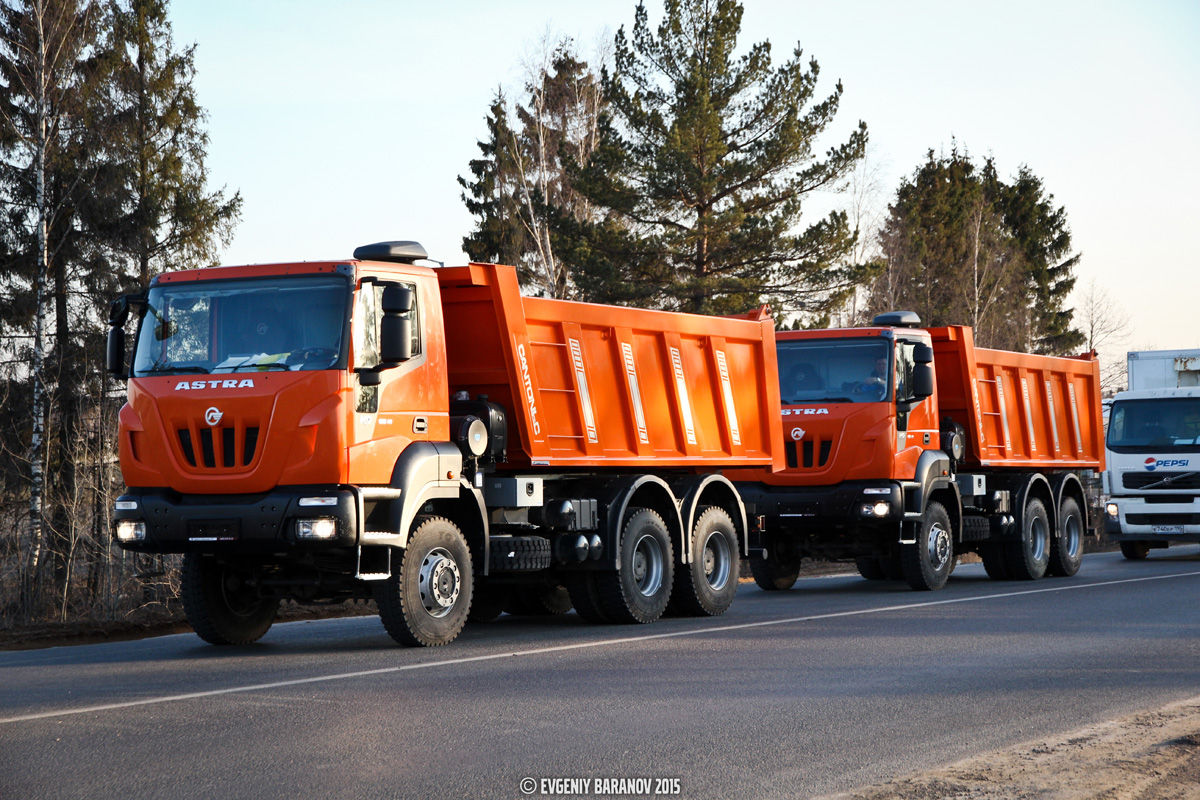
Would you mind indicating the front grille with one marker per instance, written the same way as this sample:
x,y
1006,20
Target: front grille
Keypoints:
x,y
229,447
808,454
1164,480
1163,519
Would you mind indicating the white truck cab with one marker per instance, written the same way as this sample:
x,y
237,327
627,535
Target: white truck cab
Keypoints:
x,y
1152,478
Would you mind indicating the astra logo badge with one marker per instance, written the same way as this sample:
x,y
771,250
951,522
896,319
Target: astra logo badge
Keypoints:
x,y
1152,464
244,383
213,416
805,412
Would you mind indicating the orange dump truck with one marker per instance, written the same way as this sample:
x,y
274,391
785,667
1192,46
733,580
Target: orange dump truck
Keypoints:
x,y
906,447
432,439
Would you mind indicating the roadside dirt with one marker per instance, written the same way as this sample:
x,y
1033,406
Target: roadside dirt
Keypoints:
x,y
1153,755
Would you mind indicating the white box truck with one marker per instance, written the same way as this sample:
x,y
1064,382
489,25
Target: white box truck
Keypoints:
x,y
1153,454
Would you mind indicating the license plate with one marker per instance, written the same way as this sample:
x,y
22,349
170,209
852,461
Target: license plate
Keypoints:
x,y
1166,528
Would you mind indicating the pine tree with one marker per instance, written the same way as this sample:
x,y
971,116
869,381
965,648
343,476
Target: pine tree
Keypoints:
x,y
493,195
703,165
963,247
156,209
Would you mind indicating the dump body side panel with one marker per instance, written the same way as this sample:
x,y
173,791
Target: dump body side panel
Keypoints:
x,y
604,386
1020,410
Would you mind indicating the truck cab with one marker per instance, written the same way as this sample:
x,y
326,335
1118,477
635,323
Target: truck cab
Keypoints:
x,y
1153,475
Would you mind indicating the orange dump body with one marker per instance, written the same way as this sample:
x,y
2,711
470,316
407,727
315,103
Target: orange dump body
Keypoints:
x,y
603,386
1020,410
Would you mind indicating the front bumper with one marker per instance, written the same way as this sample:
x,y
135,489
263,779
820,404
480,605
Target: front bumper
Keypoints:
x,y
1138,520
826,520
260,523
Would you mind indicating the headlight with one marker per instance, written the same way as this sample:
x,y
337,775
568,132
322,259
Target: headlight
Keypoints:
x,y
1111,510
319,529
879,509
131,530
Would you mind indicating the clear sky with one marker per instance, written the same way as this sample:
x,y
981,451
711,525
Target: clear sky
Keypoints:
x,y
347,123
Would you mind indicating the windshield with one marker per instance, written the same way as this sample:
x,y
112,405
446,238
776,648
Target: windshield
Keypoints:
x,y
834,370
1161,423
283,323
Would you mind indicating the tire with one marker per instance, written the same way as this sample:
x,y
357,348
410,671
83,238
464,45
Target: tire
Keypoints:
x,y
520,553
425,603
927,564
892,571
1066,551
777,572
219,605
539,601
585,596
1135,551
870,568
488,601
707,586
640,590
1029,556
994,562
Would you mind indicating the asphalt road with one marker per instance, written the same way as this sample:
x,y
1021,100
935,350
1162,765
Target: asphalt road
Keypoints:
x,y
836,684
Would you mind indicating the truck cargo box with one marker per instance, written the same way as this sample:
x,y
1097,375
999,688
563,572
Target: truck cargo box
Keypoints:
x,y
607,386
1020,410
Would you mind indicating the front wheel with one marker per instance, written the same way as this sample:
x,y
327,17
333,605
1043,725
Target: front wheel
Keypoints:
x,y
219,603
928,562
1066,553
779,570
707,586
425,603
1135,551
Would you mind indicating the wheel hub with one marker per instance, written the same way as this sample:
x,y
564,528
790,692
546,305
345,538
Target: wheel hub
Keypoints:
x,y
440,582
717,560
939,546
648,567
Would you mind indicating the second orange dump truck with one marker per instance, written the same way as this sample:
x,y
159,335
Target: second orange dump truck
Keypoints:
x,y
906,447
372,428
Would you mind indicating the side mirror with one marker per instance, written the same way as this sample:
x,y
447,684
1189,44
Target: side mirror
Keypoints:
x,y
397,299
923,354
922,380
115,356
395,338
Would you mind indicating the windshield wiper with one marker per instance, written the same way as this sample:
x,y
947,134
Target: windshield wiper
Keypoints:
x,y
263,365
199,370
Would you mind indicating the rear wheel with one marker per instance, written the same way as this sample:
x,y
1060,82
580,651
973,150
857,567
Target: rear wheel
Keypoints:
x,y
994,562
1029,556
219,603
539,601
640,590
870,568
585,596
1066,552
928,562
425,603
707,586
1135,551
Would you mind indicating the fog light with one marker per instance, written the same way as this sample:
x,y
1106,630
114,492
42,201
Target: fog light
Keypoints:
x,y
322,528
1111,510
131,530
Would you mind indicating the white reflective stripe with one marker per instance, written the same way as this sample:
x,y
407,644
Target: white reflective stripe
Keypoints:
x,y
1028,416
1003,411
1075,416
635,392
585,398
685,402
1053,415
727,390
